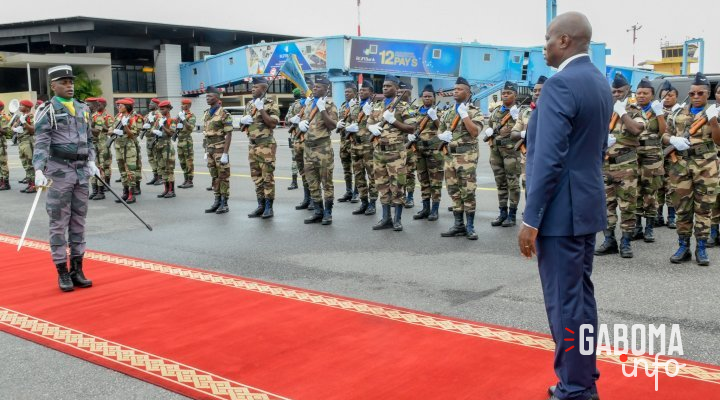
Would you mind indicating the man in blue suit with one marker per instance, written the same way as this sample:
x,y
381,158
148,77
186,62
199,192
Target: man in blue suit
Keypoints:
x,y
566,143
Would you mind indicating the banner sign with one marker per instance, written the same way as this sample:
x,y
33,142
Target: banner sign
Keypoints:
x,y
263,58
405,57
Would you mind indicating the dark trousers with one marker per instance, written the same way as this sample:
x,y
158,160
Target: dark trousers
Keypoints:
x,y
566,264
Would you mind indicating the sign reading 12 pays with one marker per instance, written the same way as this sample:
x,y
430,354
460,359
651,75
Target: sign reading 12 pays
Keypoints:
x,y
405,57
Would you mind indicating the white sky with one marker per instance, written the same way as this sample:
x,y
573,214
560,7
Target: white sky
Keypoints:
x,y
515,23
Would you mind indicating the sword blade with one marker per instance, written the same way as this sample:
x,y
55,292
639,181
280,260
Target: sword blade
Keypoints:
x,y
32,212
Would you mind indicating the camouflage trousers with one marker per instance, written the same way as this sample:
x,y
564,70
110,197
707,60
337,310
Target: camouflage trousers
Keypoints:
x,y
651,172
665,190
390,173
319,162
150,141
411,166
461,177
523,177
430,170
67,205
294,165
103,160
139,173
346,158
220,173
505,162
4,169
715,216
694,185
165,159
362,158
299,159
25,150
186,155
262,168
621,190
127,160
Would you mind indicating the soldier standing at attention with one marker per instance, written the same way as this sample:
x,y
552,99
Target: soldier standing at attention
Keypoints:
x,y
460,127
5,133
714,234
185,149
650,160
101,124
218,128
345,145
389,124
620,169
262,116
293,110
504,159
520,127
694,132
163,129
411,161
25,130
430,161
319,159
65,153
127,126
362,150
150,118
298,142
670,105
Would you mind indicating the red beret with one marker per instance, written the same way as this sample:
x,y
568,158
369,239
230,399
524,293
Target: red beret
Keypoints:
x,y
126,101
90,99
156,101
165,103
26,103
101,100
186,101
2,104
38,102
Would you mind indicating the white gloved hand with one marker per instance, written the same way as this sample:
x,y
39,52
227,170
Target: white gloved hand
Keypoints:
x,y
180,125
375,129
224,158
94,171
389,116
181,116
462,111
352,128
611,140
162,121
446,136
432,114
40,179
489,132
246,120
146,126
657,107
304,126
320,104
205,156
351,103
712,112
118,132
340,125
514,112
295,119
151,118
367,108
676,106
679,143
412,137
18,129
522,134
157,132
124,120
619,108
23,119
259,104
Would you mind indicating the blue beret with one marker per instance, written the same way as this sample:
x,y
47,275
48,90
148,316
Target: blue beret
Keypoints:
x,y
541,80
619,81
392,78
322,80
701,79
428,88
645,83
259,79
462,81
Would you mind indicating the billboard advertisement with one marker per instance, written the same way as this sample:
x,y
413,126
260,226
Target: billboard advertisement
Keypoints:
x,y
264,58
405,57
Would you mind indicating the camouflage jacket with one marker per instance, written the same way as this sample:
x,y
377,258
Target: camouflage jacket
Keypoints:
x,y
5,131
258,129
168,122
135,123
652,126
216,126
293,110
317,129
461,136
430,130
496,118
363,135
625,139
391,135
522,121
62,131
29,120
103,122
188,125
680,123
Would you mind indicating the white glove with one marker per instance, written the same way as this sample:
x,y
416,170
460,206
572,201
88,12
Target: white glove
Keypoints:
x,y
180,125
151,118
619,108
412,137
146,126
657,107
162,121
40,179
181,116
352,102
432,114
679,143
304,126
611,140
676,106
18,129
205,156
522,134
23,120
514,112
246,120
259,104
712,112
157,132
367,108
340,125
375,129
124,120
352,128
321,104
224,158
489,132
295,119
94,171
389,116
446,136
119,132
462,111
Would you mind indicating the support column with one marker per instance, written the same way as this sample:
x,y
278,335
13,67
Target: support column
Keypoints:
x,y
167,73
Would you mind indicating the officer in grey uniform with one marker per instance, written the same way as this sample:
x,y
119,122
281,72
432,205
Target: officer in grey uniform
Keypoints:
x,y
65,154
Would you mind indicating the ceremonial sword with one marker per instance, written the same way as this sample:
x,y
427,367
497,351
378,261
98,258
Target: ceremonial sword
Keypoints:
x,y
32,211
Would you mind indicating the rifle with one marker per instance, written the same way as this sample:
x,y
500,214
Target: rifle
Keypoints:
x,y
294,127
695,127
246,128
444,146
390,107
360,117
113,136
412,145
346,116
520,145
174,137
502,124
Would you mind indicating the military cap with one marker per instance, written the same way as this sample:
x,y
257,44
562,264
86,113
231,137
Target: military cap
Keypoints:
x,y
350,85
392,78
429,88
701,79
101,100
165,103
510,86
186,101
619,81
59,72
26,103
126,101
322,80
297,93
405,86
212,89
2,104
645,84
462,81
367,84
91,100
541,80
257,80
156,101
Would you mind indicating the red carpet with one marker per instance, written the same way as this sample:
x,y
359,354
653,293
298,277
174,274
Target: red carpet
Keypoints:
x,y
208,335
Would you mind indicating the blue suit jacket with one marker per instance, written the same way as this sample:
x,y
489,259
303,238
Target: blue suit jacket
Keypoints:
x,y
567,139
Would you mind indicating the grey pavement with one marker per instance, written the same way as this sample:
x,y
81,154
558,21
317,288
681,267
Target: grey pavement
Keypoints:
x,y
485,281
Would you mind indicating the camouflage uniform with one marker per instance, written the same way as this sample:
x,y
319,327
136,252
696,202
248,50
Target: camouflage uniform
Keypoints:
x,y
411,166
217,125
430,161
294,109
104,122
26,145
319,157
262,150
650,164
150,139
362,160
164,152
346,151
461,160
5,133
665,190
126,151
298,150
521,126
505,160
185,149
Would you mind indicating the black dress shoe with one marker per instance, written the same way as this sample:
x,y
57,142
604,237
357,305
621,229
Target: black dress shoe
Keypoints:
x,y
551,392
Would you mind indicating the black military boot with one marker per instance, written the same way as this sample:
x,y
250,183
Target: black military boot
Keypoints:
x,y
410,200
637,233
167,189
386,220
215,205
159,181
371,210
118,180
510,220
24,180
660,219
348,192
64,280
397,221
136,189
306,200
171,190
268,210
317,215
701,256
76,273
501,218
363,207
94,191
311,205
223,206
625,247
327,213
131,197
451,208
186,184
671,218
293,184
712,240
433,216
470,226
683,252
4,184
30,188
609,246
458,228
356,196
425,212
124,195
649,235
153,180
100,194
